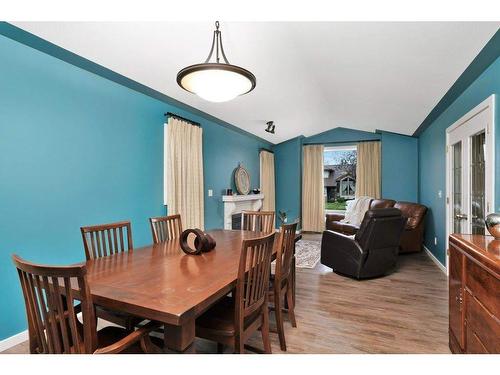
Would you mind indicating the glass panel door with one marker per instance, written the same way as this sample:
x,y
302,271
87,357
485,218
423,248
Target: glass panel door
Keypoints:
x,y
456,188
477,183
470,171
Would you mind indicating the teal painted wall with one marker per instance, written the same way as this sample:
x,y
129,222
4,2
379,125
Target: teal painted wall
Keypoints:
x,y
78,149
288,178
399,167
432,157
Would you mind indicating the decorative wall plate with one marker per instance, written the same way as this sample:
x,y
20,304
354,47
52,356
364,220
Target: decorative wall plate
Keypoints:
x,y
242,180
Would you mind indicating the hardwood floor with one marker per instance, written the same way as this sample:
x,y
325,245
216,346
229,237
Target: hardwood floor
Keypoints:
x,y
405,312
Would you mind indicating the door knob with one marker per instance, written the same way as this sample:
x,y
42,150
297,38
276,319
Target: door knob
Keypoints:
x,y
461,216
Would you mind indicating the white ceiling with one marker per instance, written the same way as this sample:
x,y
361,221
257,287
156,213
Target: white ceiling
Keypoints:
x,y
311,77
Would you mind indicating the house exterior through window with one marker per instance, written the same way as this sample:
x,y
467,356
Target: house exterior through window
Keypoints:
x,y
339,174
347,187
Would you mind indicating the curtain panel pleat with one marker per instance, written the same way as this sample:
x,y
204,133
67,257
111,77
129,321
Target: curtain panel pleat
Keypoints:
x,y
313,199
185,172
368,170
267,180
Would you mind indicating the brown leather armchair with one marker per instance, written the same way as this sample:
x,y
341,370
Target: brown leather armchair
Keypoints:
x,y
413,236
372,252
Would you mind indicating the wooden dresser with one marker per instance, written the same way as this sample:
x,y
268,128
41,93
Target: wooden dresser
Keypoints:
x,y
474,288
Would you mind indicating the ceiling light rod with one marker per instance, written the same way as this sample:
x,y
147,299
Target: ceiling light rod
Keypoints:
x,y
216,42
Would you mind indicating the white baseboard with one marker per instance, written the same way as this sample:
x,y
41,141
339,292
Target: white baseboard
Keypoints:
x,y
435,260
11,341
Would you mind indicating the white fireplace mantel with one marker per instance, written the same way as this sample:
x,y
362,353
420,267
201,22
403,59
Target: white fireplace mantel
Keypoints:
x,y
235,204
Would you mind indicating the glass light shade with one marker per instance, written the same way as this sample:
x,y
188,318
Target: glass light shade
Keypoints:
x,y
216,82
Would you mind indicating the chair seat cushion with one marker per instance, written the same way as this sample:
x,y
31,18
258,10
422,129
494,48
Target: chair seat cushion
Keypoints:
x,y
219,319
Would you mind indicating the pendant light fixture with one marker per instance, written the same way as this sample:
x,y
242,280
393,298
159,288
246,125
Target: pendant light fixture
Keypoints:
x,y
216,81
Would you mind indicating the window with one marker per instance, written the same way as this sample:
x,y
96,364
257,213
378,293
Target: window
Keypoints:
x,y
339,176
347,187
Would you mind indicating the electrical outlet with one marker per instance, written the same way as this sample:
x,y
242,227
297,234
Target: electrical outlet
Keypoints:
x,y
435,240
210,192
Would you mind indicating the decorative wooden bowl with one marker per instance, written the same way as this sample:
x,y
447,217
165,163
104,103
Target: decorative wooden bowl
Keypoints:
x,y
203,242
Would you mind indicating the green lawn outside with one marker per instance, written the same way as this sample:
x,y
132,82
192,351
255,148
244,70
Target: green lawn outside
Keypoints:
x,y
335,205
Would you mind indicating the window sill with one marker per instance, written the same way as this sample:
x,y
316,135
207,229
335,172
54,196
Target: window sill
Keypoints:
x,y
335,212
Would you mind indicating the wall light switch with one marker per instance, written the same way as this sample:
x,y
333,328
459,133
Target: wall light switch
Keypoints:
x,y
210,192
440,194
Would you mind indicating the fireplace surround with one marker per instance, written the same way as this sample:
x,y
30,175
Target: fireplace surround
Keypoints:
x,y
235,204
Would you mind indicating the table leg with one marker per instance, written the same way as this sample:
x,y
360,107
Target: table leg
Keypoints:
x,y
180,339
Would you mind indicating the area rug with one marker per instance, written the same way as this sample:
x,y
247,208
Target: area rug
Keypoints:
x,y
307,253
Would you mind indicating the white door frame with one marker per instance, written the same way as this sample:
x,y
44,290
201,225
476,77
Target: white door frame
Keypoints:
x,y
489,106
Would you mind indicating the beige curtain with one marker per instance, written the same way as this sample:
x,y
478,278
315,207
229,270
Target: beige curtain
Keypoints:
x,y
313,198
267,180
185,172
368,170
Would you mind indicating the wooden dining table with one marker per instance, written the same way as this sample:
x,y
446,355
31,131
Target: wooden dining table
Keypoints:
x,y
160,282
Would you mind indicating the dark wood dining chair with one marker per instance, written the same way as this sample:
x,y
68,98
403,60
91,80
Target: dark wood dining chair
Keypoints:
x,y
281,284
232,320
258,221
104,240
107,239
52,308
166,228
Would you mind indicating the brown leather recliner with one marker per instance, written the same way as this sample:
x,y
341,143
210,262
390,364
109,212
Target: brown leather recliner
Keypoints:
x,y
372,252
413,236
333,220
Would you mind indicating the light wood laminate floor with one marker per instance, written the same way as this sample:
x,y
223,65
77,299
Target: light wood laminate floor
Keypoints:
x,y
405,312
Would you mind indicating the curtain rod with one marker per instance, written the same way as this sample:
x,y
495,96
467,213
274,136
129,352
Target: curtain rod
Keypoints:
x,y
345,143
182,118
265,149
